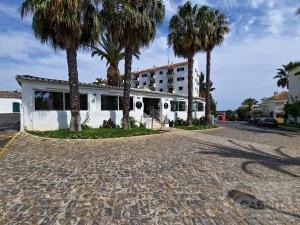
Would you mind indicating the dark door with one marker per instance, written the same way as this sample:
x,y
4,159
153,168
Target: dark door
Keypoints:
x,y
16,107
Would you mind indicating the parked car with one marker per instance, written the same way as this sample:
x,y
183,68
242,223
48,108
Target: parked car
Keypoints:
x,y
253,120
267,122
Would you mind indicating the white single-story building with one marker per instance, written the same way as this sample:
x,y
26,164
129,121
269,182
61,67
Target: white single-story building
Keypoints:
x,y
10,101
46,104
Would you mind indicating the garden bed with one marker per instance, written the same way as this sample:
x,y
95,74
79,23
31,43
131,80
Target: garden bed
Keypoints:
x,y
198,127
94,133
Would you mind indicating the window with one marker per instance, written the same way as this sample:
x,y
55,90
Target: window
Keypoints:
x,y
113,103
145,83
45,100
180,69
180,78
161,81
174,106
181,106
109,102
161,72
121,103
83,101
161,90
145,75
198,106
180,88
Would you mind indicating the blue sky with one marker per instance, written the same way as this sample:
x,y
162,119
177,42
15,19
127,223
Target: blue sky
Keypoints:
x,y
264,35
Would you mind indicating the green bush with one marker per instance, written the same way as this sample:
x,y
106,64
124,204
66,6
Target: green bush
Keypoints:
x,y
108,124
132,122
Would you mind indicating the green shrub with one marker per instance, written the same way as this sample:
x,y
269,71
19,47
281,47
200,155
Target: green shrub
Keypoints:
x,y
108,124
132,122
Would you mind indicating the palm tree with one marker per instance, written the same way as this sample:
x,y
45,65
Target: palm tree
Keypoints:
x,y
282,76
216,26
202,86
298,11
65,25
134,23
283,73
112,52
185,39
250,102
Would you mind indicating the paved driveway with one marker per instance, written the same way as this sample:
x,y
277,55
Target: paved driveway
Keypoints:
x,y
266,135
175,178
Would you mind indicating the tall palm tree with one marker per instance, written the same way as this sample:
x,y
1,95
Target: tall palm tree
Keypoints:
x,y
65,25
185,39
250,102
111,50
283,73
216,26
134,23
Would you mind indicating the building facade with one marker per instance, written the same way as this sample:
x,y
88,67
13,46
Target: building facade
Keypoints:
x,y
10,101
172,78
294,87
46,104
273,106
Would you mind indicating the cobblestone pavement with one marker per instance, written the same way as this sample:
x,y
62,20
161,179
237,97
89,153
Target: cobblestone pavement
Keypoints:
x,y
245,132
182,177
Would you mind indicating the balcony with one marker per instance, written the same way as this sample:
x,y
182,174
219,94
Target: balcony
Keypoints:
x,y
170,73
152,79
135,79
171,83
152,88
171,90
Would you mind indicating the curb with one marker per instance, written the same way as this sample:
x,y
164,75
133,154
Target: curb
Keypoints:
x,y
5,148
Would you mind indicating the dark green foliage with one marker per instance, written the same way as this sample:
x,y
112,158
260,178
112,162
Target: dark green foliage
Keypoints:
x,y
243,113
293,109
108,124
132,122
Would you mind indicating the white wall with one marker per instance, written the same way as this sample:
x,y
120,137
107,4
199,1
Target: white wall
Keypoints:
x,y
53,120
6,104
294,85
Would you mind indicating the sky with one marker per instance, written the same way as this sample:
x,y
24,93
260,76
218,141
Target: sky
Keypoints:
x,y
264,35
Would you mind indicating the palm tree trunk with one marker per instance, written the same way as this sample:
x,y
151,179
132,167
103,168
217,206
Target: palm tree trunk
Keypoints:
x,y
207,99
126,99
74,90
190,92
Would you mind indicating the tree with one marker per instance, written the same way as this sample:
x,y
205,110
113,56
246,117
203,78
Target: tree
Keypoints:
x,y
283,74
185,39
202,86
134,24
293,109
65,25
216,26
250,102
111,50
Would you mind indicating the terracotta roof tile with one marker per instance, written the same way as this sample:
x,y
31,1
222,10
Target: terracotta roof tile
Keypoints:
x,y
280,96
10,94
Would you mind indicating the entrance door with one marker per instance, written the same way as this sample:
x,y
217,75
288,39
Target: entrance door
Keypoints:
x,y
152,107
16,107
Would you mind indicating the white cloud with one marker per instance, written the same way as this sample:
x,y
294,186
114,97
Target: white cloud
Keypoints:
x,y
276,21
12,11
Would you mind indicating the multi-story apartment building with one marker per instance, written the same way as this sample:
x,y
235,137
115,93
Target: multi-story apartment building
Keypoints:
x,y
172,78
